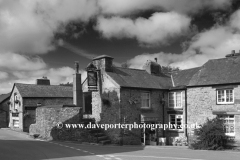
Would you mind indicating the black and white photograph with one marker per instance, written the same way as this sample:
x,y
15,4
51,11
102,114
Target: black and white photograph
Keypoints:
x,y
119,79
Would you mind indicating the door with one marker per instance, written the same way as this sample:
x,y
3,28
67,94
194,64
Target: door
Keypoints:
x,y
88,103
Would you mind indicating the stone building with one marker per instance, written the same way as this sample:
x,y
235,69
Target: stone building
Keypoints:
x,y
4,110
129,96
126,96
25,98
212,90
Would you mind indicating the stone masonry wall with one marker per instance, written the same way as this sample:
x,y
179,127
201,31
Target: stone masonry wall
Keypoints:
x,y
48,117
27,121
4,114
131,110
202,102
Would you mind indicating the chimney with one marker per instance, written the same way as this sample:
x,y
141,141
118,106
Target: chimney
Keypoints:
x,y
103,62
155,59
152,67
233,54
77,87
43,81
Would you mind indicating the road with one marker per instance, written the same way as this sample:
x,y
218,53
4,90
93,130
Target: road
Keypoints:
x,y
18,146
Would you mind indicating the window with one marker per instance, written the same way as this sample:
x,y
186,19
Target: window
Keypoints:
x,y
16,123
14,114
175,99
225,96
229,122
145,100
176,121
16,105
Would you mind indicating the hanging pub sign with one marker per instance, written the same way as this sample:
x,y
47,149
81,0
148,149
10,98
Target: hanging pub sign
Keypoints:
x,y
92,78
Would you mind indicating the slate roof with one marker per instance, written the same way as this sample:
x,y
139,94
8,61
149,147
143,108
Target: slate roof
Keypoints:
x,y
127,77
183,77
215,71
50,91
4,97
218,71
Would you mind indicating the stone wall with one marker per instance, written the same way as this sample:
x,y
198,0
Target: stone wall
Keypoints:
x,y
202,104
47,117
131,110
47,101
4,114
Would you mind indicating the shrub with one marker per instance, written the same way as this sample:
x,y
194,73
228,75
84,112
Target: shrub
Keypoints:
x,y
210,136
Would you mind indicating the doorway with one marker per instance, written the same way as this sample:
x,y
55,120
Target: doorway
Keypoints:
x,y
87,102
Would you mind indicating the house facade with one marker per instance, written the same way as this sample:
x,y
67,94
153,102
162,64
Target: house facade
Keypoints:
x,y
186,97
4,110
25,98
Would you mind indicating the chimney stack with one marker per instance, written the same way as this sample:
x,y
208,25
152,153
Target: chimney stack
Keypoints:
x,y
77,87
76,67
152,67
103,62
233,51
43,81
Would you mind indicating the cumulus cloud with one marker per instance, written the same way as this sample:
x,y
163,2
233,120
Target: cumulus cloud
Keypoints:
x,y
16,68
158,29
14,61
28,26
125,7
214,43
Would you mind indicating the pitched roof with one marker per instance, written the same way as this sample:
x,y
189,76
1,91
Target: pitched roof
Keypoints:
x,y
215,71
33,90
127,77
183,77
218,71
4,97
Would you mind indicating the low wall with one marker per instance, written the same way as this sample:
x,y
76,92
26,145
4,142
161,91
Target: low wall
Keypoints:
x,y
47,118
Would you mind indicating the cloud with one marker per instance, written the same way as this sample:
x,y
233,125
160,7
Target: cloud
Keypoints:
x,y
29,26
16,68
157,30
214,43
16,62
3,75
126,7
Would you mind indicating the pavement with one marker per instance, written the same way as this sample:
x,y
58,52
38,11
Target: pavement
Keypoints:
x,y
19,146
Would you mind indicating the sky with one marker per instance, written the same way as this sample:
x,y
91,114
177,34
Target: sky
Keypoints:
x,y
44,38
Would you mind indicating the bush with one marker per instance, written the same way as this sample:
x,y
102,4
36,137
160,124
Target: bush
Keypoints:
x,y
210,136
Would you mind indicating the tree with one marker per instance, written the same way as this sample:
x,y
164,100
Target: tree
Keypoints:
x,y
211,135
66,84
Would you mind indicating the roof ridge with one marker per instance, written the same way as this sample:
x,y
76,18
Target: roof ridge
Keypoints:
x,y
43,85
131,68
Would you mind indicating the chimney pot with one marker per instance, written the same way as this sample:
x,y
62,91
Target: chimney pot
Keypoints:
x,y
76,67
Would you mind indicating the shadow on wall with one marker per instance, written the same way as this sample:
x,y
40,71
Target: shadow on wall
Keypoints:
x,y
113,113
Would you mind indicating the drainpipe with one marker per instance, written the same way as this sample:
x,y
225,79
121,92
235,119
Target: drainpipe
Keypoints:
x,y
120,119
186,112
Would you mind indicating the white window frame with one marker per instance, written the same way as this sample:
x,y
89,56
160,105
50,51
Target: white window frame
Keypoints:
x,y
176,116
225,96
149,105
175,99
227,118
16,125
